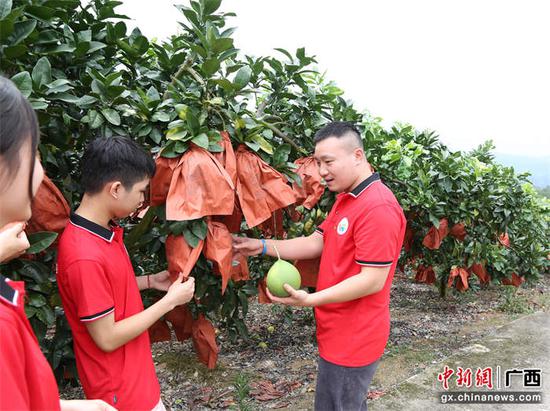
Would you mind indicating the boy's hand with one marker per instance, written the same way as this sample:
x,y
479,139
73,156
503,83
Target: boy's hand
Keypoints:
x,y
247,246
160,281
13,241
180,293
85,405
298,298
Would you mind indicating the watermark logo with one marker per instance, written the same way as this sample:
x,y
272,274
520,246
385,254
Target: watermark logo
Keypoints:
x,y
495,382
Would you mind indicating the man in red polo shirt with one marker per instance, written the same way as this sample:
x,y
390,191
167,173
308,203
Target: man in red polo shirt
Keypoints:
x,y
359,244
98,288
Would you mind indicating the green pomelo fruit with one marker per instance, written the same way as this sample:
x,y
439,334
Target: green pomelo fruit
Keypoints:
x,y
280,273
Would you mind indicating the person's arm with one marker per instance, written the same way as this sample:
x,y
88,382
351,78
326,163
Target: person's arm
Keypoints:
x,y
301,248
109,334
159,281
85,405
369,281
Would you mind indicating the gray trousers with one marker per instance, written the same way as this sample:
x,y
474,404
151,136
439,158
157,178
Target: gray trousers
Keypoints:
x,y
342,388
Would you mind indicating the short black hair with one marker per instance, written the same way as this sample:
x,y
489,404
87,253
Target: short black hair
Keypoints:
x,y
338,129
114,159
18,123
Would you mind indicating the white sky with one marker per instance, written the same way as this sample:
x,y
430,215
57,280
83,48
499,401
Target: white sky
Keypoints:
x,y
469,69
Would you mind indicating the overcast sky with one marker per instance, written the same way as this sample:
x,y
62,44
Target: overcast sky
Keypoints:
x,y
469,69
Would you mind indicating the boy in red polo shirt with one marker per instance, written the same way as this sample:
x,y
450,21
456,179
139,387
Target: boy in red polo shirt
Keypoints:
x,y
98,288
359,244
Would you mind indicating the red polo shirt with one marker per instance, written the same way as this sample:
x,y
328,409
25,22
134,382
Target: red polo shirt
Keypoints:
x,y
96,278
365,227
26,379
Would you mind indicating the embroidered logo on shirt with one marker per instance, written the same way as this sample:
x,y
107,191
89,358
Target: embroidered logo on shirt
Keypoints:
x,y
342,226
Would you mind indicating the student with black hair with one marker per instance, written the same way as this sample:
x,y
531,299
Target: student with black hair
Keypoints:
x,y
98,287
26,379
359,244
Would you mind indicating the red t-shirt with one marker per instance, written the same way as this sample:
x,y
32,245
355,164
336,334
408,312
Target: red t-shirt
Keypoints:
x,y
26,379
96,278
365,227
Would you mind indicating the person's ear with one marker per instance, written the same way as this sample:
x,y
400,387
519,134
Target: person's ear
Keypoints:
x,y
358,155
115,189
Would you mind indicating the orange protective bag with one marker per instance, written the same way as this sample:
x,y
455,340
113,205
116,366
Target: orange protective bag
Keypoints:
x,y
408,240
219,249
240,272
435,236
462,281
181,256
516,280
425,274
262,294
311,190
273,227
479,270
227,157
181,320
504,239
204,341
309,270
233,221
160,183
458,231
159,331
200,186
50,211
261,189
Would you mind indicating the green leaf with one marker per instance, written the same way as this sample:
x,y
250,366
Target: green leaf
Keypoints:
x,y
112,116
46,315
222,44
35,271
201,140
42,72
14,52
22,29
23,82
38,103
161,116
177,133
59,86
192,121
42,13
95,119
153,94
86,101
281,154
262,142
62,48
95,46
40,241
254,146
191,238
140,229
66,97
199,228
210,66
37,300
225,84
286,53
242,77
210,6
5,8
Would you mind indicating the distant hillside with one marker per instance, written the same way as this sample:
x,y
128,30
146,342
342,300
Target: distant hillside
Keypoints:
x,y
539,167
